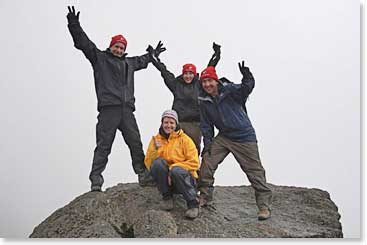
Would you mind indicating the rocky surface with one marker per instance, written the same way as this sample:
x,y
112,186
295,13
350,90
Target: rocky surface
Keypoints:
x,y
128,210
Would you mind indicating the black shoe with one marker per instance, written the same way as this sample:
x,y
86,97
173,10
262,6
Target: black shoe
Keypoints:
x,y
145,179
167,204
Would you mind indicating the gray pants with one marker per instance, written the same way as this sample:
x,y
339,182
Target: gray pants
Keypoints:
x,y
192,129
247,155
111,118
182,181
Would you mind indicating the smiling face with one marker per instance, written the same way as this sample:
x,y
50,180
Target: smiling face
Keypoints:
x,y
169,125
118,49
188,76
210,86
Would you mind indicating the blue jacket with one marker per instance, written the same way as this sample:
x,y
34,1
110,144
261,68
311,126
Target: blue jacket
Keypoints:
x,y
227,112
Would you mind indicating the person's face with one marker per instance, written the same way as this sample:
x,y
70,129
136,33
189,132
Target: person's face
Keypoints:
x,y
210,86
118,49
169,125
188,76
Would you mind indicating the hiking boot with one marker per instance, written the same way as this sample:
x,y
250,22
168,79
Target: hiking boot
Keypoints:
x,y
192,213
96,188
205,200
263,214
145,179
167,204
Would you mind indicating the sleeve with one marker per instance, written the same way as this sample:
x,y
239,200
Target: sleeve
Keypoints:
x,y
82,42
206,126
191,162
168,77
152,154
214,59
241,91
139,62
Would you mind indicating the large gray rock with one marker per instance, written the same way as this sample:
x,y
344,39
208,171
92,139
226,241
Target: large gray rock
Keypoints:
x,y
128,210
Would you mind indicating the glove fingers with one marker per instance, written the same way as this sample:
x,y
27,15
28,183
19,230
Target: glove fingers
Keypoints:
x,y
73,9
77,15
69,9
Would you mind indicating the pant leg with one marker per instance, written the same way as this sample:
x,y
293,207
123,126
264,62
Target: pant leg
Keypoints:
x,y
184,184
247,155
108,121
192,129
159,171
209,165
130,133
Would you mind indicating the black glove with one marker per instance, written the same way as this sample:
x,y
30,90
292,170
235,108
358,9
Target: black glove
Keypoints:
x,y
150,50
72,17
216,56
207,149
216,48
155,60
246,73
159,49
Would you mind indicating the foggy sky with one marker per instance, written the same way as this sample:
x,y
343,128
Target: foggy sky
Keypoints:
x,y
305,108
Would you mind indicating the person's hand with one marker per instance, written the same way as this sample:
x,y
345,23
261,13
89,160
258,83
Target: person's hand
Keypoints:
x,y
216,56
150,50
71,16
216,48
246,73
159,49
157,142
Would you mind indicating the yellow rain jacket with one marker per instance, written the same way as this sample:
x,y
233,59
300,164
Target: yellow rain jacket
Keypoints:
x,y
177,150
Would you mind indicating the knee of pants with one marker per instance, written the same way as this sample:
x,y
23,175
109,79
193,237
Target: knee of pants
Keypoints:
x,y
158,164
205,171
102,150
177,172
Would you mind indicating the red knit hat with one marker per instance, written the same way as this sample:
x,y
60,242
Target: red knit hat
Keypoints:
x,y
189,67
118,38
209,72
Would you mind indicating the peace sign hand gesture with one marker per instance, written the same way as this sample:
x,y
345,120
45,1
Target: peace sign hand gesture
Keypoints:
x,y
71,16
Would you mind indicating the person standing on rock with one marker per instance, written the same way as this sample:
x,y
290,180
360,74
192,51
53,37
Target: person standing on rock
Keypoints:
x,y
185,90
222,106
114,84
173,161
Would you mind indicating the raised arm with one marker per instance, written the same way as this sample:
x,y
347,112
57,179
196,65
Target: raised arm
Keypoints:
x,y
141,62
168,77
81,40
216,56
241,91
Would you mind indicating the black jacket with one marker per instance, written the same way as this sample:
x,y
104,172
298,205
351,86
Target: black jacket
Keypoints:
x,y
185,95
113,76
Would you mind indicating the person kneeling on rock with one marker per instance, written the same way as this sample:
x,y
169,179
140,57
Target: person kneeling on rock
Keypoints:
x,y
173,161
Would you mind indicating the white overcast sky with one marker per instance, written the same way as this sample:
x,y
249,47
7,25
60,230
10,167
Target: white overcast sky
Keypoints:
x,y
305,108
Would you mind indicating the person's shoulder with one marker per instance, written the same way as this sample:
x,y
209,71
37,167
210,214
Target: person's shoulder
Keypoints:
x,y
225,82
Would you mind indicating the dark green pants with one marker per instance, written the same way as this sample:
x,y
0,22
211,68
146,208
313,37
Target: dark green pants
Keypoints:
x,y
247,155
192,129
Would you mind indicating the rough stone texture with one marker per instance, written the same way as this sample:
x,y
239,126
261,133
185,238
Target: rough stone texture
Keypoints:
x,y
128,210
155,223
